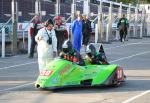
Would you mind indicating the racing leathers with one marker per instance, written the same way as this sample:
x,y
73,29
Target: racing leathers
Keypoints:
x,y
73,56
123,28
96,58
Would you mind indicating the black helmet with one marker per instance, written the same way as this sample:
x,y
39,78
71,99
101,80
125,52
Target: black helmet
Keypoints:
x,y
90,49
48,22
67,46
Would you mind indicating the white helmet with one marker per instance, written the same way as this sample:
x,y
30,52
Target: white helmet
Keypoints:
x,y
67,46
90,49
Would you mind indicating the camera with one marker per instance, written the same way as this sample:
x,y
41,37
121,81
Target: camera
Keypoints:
x,y
49,41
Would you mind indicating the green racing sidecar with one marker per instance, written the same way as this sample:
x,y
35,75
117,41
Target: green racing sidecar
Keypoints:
x,y
62,73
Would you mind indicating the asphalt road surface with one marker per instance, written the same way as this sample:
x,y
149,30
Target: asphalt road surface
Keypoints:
x,y
18,74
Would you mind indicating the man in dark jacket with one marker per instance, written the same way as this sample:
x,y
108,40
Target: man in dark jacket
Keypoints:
x,y
123,25
86,30
35,26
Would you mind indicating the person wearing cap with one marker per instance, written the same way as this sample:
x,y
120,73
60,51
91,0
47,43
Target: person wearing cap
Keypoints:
x,y
77,32
61,32
34,27
86,30
47,44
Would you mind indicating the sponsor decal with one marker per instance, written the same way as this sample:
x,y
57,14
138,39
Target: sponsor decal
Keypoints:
x,y
65,69
46,73
54,80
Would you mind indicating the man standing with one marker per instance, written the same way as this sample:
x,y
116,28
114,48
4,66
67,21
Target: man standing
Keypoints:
x,y
35,26
123,25
61,32
47,44
77,33
86,30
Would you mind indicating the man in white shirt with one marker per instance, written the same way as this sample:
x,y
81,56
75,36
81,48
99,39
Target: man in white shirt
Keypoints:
x,y
47,44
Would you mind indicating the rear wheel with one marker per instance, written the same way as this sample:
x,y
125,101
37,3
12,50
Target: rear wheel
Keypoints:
x,y
115,82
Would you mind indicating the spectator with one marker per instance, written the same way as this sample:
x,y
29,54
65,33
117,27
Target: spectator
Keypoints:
x,y
61,32
77,33
47,44
86,30
35,26
123,27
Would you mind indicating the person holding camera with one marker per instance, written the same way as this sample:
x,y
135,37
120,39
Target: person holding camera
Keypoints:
x,y
47,44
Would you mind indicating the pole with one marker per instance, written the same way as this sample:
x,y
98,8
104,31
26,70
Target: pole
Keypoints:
x,y
3,42
129,19
40,11
86,7
120,10
23,39
96,33
14,25
36,7
73,9
29,42
142,24
100,29
57,8
110,22
135,23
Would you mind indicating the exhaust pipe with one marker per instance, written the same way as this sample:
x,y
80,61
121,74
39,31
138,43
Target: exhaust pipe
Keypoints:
x,y
37,86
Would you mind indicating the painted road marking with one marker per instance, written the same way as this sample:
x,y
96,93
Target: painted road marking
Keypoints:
x,y
145,92
127,101
24,85
16,87
106,48
128,57
128,44
13,66
137,96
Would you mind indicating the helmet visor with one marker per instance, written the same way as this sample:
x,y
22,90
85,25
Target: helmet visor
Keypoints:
x,y
65,50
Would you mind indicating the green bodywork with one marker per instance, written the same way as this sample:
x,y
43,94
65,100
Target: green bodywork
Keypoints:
x,y
66,73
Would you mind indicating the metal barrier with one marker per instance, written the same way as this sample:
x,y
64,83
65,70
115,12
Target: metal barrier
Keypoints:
x,y
106,18
3,37
109,31
23,34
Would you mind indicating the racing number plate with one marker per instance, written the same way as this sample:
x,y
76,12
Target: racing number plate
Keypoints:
x,y
46,73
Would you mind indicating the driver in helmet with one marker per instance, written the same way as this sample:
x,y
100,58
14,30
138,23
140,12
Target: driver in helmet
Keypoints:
x,y
70,54
93,56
